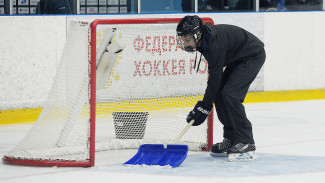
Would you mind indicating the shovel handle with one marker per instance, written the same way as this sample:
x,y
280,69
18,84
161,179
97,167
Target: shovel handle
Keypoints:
x,y
183,132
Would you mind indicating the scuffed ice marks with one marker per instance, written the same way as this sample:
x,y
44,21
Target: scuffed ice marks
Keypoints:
x,y
207,166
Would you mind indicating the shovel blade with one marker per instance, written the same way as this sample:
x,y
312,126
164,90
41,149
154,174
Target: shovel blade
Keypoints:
x,y
156,154
174,156
148,154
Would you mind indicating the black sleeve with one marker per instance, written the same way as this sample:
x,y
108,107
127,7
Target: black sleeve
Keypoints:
x,y
215,74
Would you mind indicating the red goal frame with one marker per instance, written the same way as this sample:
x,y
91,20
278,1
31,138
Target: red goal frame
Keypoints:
x,y
91,161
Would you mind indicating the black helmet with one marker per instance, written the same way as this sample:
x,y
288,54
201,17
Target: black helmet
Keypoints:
x,y
193,26
190,25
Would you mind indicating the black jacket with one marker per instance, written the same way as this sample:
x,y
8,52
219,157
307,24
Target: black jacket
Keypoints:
x,y
227,44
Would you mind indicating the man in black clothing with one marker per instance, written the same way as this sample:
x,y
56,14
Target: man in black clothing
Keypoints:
x,y
243,55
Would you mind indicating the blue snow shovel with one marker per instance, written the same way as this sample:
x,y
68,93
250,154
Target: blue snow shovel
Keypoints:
x,y
157,154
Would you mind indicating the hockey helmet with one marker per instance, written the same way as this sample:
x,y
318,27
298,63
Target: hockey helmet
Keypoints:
x,y
189,25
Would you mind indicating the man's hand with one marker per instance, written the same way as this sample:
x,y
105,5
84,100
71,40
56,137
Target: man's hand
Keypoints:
x,y
199,113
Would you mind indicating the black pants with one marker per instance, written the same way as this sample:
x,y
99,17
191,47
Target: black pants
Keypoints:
x,y
229,99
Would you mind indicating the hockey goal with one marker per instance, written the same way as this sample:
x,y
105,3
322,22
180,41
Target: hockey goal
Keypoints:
x,y
121,83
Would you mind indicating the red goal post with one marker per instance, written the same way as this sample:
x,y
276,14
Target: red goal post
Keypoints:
x,y
93,26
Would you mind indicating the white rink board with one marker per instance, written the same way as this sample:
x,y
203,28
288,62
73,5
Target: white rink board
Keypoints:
x,y
33,45
30,50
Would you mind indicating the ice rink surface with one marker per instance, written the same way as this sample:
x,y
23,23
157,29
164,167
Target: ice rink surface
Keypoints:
x,y
290,140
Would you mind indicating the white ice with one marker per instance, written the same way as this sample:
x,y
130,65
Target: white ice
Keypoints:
x,y
290,140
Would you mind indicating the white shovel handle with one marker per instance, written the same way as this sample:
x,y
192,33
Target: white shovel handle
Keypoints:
x,y
183,132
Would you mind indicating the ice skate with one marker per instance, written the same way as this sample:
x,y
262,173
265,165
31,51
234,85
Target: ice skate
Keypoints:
x,y
242,152
220,149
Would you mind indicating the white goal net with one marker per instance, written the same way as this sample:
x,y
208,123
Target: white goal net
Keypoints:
x,y
143,89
